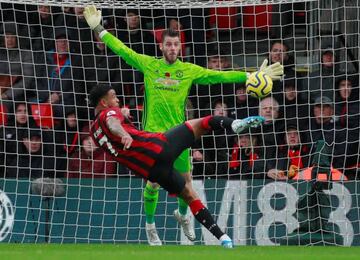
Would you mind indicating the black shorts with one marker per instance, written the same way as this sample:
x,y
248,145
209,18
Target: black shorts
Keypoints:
x,y
179,138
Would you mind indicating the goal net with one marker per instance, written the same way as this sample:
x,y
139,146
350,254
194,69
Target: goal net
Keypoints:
x,y
293,181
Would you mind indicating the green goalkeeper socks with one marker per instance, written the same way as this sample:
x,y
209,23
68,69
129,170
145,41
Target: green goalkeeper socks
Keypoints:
x,y
151,197
182,206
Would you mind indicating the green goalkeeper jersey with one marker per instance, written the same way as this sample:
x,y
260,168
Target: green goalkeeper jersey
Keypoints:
x,y
167,86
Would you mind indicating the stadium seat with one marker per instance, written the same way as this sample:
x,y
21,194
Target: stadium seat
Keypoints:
x,y
336,175
257,17
42,114
3,115
223,18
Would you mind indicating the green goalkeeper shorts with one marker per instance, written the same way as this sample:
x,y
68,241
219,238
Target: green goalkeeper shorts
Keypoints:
x,y
182,163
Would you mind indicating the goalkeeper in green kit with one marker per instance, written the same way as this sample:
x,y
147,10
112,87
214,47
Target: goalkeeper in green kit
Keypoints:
x,y
167,85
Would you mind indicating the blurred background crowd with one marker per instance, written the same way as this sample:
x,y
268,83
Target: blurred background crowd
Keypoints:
x,y
50,60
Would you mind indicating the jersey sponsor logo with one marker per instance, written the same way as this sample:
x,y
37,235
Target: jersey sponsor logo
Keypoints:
x,y
179,73
167,82
110,113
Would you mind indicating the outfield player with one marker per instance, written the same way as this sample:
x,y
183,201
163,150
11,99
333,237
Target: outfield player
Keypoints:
x,y
151,155
167,85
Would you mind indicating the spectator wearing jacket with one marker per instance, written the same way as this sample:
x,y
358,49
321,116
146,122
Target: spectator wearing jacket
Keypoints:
x,y
293,156
247,159
89,161
16,67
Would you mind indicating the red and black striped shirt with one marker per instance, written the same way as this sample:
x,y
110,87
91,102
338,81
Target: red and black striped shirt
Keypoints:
x,y
144,150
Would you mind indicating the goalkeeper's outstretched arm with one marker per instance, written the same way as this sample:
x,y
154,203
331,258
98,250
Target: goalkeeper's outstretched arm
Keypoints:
x,y
206,76
139,61
136,60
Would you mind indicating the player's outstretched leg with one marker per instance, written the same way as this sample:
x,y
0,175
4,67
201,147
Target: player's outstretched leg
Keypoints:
x,y
203,125
239,125
203,216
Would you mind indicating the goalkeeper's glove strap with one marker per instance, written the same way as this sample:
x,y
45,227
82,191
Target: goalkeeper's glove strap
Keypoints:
x,y
99,28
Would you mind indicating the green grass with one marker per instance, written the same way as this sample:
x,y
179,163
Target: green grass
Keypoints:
x,y
144,252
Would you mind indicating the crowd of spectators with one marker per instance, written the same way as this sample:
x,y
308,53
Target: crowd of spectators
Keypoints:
x,y
50,60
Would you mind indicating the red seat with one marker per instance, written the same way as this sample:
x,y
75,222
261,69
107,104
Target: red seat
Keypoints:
x,y
305,174
43,115
259,17
158,34
223,18
3,115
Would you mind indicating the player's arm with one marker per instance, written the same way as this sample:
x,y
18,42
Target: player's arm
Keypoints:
x,y
116,128
134,59
206,76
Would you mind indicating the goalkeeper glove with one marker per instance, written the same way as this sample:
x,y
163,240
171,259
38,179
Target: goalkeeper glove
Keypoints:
x,y
274,71
93,18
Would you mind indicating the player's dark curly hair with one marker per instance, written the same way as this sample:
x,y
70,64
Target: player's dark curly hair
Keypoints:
x,y
98,92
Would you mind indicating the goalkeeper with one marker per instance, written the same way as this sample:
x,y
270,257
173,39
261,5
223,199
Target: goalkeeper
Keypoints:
x,y
167,84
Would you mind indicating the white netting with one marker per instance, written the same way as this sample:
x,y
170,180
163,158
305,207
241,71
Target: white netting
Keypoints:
x,y
161,4
44,100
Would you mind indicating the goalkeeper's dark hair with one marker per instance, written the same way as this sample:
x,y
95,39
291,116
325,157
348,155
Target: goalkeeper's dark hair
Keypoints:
x,y
97,93
169,32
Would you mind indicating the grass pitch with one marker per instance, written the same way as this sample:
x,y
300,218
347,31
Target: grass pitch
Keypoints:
x,y
171,252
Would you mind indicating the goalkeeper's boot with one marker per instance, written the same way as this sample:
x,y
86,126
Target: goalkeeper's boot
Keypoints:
x,y
184,221
239,125
226,241
152,235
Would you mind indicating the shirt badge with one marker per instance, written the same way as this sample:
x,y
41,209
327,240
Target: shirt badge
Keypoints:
x,y
110,113
179,74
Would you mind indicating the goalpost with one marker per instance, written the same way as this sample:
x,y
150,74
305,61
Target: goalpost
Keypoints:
x,y
85,198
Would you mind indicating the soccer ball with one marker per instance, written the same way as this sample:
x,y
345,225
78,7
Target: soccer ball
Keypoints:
x,y
259,84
